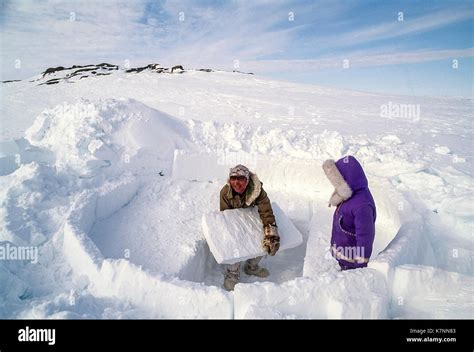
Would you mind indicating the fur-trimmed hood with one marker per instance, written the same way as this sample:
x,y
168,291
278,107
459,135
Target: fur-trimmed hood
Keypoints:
x,y
254,188
347,177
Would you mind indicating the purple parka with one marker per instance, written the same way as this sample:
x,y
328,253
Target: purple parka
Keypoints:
x,y
353,228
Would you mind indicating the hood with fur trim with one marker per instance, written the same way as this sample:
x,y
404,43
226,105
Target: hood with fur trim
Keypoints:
x,y
347,177
254,188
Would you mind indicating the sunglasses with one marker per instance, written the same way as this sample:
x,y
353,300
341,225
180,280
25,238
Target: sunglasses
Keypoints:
x,y
238,178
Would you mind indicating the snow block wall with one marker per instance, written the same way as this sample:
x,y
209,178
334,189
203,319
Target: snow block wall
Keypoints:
x,y
410,246
300,176
114,194
356,294
393,246
318,258
198,167
164,297
424,292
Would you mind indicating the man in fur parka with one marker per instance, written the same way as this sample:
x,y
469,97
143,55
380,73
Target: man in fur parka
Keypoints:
x,y
243,190
353,227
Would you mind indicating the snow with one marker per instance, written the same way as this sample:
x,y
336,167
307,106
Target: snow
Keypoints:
x,y
110,177
355,294
442,150
106,135
235,235
429,293
198,167
114,194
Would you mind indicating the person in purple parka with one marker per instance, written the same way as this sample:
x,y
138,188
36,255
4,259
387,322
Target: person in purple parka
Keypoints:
x,y
353,227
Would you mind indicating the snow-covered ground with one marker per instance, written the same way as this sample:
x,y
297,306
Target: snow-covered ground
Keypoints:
x,y
108,178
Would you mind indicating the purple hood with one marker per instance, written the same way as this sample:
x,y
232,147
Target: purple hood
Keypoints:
x,y
353,173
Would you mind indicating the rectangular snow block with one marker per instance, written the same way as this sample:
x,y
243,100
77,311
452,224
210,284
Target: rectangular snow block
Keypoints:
x,y
235,235
194,167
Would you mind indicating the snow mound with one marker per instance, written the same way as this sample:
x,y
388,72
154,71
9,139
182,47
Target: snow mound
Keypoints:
x,y
106,135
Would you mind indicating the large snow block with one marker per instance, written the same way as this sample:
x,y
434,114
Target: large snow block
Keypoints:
x,y
114,194
425,292
299,176
236,234
353,294
198,167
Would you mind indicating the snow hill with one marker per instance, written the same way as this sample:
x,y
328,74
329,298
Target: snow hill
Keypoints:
x,y
109,177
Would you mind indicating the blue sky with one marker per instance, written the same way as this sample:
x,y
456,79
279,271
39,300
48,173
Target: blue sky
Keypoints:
x,y
400,47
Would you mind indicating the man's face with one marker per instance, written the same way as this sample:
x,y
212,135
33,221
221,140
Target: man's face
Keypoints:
x,y
239,183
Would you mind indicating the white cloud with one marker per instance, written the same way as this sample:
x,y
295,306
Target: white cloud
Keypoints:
x,y
40,34
355,59
395,28
44,34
